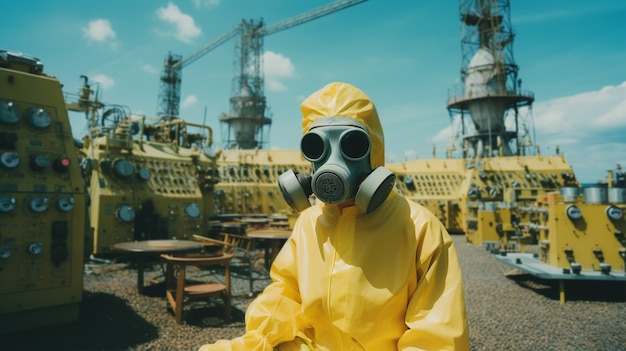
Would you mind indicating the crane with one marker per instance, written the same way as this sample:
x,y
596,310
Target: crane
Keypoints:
x,y
247,103
171,76
247,119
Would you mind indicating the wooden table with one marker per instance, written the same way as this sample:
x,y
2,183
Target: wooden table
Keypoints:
x,y
154,248
255,222
272,239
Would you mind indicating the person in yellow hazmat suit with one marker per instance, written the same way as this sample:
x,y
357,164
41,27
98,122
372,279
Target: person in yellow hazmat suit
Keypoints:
x,y
365,268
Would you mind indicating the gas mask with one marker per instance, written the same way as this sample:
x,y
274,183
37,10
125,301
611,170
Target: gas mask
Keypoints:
x,y
339,149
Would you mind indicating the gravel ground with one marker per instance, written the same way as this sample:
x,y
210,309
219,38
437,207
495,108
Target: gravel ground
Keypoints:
x,y
506,310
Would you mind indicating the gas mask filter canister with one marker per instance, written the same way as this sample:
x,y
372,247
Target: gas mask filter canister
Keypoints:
x,y
340,152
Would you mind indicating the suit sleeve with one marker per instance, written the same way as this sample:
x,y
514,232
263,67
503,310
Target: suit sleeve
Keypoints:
x,y
436,315
274,316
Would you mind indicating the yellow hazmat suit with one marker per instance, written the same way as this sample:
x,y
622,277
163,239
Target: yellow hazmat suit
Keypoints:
x,y
347,280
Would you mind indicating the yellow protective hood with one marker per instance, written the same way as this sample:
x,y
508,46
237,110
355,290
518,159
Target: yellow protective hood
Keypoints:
x,y
345,100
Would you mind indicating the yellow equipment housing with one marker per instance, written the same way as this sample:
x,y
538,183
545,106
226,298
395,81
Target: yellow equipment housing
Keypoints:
x,y
463,193
585,232
156,186
42,200
580,237
248,180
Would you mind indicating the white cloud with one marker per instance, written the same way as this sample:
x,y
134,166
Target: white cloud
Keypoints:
x,y
185,27
189,101
104,80
100,30
616,114
149,68
444,135
206,3
589,129
276,68
587,115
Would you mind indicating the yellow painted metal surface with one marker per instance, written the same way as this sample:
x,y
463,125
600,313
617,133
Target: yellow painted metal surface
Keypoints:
x,y
248,180
42,200
160,188
592,241
456,190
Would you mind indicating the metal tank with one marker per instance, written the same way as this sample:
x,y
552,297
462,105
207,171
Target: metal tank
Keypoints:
x,y
595,195
570,194
616,195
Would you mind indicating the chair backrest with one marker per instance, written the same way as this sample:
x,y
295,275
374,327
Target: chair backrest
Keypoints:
x,y
239,241
226,246
178,290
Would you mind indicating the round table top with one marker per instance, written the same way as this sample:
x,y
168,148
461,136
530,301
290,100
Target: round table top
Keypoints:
x,y
269,233
162,246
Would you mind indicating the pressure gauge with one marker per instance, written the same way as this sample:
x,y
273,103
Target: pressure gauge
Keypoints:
x,y
38,118
192,211
38,204
65,203
123,168
35,248
493,192
573,212
472,193
143,173
125,213
7,203
614,213
5,251
9,113
39,162
10,159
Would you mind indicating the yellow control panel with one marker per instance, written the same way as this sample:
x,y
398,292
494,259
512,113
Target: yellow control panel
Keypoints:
x,y
248,180
42,200
146,189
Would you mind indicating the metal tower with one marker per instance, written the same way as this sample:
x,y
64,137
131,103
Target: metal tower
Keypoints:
x,y
172,74
491,91
246,120
169,90
247,123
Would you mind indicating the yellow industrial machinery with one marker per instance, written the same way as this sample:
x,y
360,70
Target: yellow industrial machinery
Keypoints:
x,y
496,194
42,200
248,181
465,193
158,185
581,235
145,181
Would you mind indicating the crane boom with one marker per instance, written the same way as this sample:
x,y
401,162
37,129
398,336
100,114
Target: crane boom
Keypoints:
x,y
251,43
309,16
208,47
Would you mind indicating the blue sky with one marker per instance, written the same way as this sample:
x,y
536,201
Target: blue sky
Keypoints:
x,y
406,55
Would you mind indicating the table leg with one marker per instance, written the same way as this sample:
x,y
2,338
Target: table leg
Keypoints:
x,y
140,265
268,254
274,246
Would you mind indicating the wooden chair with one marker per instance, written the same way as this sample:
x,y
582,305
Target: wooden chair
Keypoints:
x,y
181,291
245,254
